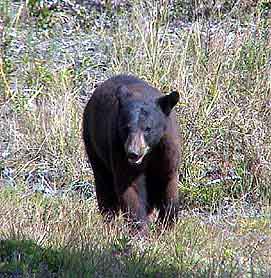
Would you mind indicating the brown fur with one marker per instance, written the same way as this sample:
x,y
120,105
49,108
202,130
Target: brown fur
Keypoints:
x,y
119,185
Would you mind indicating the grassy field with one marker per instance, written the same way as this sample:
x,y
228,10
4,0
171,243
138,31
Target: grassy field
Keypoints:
x,y
217,57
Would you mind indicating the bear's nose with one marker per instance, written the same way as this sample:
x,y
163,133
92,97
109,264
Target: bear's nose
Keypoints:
x,y
133,155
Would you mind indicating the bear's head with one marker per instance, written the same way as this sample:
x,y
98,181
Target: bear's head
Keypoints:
x,y
142,122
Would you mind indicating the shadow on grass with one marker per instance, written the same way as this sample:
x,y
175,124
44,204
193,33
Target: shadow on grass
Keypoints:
x,y
25,258
20,258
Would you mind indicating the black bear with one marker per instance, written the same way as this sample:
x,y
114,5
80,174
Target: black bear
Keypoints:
x,y
132,142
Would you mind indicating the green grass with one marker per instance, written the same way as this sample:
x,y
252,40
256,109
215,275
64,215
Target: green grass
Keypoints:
x,y
66,237
51,60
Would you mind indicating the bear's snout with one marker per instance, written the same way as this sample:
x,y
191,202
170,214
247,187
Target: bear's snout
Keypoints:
x,y
136,147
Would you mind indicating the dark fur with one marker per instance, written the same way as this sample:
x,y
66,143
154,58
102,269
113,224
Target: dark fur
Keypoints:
x,y
135,189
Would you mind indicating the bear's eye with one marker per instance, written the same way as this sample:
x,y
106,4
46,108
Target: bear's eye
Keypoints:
x,y
126,128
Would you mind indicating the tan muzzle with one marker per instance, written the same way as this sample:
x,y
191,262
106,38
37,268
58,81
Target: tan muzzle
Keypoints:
x,y
136,147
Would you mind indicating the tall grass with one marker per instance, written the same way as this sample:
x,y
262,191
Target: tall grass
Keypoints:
x,y
50,65
223,76
221,71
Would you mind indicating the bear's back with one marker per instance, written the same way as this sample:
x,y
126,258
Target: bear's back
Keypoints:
x,y
139,88
123,79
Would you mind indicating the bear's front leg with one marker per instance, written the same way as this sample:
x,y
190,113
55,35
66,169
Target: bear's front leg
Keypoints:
x,y
168,208
133,200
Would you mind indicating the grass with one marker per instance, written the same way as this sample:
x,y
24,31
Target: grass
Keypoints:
x,y
51,59
66,237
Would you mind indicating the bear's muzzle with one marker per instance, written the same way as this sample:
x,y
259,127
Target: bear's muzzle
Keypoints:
x,y
136,147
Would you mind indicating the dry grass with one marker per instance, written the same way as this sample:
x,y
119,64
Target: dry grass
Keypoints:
x,y
69,239
220,65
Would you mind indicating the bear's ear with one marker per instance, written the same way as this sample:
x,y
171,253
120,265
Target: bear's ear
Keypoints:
x,y
123,94
167,102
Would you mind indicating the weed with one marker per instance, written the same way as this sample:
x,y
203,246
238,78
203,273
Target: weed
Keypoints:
x,y
217,57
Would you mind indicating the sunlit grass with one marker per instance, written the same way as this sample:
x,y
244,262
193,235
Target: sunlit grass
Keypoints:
x,y
69,237
222,72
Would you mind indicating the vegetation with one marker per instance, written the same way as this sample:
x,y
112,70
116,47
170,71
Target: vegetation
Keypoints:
x,y
53,53
65,237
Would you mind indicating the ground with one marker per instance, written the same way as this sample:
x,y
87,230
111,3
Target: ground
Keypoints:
x,y
219,61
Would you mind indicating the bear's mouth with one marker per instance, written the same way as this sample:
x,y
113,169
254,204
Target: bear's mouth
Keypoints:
x,y
136,159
